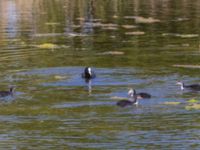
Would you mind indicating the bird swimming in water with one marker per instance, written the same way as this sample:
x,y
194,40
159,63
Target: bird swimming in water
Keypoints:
x,y
7,93
88,73
195,87
141,95
133,98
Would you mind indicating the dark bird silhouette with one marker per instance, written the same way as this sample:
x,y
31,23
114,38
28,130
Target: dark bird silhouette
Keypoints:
x,y
124,103
133,98
88,73
195,87
7,93
143,95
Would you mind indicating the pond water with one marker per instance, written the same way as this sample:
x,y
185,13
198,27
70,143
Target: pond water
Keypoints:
x,y
142,44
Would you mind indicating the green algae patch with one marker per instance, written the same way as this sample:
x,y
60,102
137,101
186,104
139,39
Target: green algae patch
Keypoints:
x,y
52,23
192,101
47,46
194,106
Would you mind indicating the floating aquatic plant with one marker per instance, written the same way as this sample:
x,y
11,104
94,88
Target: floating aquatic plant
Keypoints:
x,y
60,77
47,46
187,66
52,23
181,35
192,101
47,34
146,20
135,33
195,106
109,28
187,35
172,103
115,16
140,19
182,19
112,53
118,98
128,26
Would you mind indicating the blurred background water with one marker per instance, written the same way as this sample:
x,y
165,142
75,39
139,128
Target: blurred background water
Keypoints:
x,y
143,44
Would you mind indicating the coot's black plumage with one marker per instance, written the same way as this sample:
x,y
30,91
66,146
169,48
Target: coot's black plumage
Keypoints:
x,y
143,95
124,103
195,87
7,93
88,73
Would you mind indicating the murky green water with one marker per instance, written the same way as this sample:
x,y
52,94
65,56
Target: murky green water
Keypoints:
x,y
45,46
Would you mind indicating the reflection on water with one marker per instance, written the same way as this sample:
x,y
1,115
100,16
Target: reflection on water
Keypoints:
x,y
138,44
89,85
12,20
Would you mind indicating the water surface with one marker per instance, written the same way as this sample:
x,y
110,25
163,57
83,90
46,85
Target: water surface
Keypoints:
x,y
45,46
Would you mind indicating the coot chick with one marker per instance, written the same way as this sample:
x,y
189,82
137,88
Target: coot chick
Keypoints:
x,y
195,87
88,73
7,93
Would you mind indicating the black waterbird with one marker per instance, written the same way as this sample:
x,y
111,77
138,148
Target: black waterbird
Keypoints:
x,y
133,98
7,93
88,73
194,87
